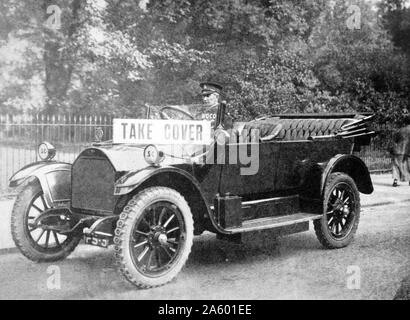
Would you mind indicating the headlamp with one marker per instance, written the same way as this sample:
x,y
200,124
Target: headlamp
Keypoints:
x,y
152,155
46,151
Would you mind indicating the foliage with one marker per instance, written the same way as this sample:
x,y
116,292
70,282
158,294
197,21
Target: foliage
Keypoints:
x,y
116,56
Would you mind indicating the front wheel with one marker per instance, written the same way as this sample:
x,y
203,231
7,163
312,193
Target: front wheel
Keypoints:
x,y
154,237
341,205
35,242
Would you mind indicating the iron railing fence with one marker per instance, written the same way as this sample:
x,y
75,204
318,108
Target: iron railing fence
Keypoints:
x,y
21,134
66,128
376,155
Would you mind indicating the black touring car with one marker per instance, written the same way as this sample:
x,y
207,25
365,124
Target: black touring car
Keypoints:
x,y
149,202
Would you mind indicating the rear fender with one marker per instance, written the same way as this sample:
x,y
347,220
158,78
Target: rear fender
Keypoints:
x,y
54,178
352,166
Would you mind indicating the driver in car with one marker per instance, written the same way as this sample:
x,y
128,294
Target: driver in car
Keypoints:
x,y
211,93
211,96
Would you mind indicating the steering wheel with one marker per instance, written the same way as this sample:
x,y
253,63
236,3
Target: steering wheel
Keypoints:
x,y
183,112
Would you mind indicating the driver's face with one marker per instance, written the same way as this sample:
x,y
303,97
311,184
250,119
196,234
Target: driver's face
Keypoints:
x,y
211,99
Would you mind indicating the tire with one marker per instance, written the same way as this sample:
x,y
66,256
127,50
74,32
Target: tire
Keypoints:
x,y
143,235
338,225
28,239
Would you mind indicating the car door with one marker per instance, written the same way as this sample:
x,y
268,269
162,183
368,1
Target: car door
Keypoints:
x,y
252,174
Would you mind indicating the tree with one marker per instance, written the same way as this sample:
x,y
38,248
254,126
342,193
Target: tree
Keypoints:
x,y
396,19
271,56
78,53
361,66
235,42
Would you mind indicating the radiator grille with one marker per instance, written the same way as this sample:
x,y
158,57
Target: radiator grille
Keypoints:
x,y
93,184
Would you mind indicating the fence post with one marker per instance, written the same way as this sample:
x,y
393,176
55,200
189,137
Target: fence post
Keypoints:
x,y
9,125
18,124
52,127
27,125
74,118
48,127
69,131
36,126
57,127
42,127
90,121
105,129
81,126
63,129
95,121
1,127
107,123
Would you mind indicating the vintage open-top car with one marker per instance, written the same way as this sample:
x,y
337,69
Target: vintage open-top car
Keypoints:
x,y
150,201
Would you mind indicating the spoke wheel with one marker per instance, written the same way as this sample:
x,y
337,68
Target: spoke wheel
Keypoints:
x,y
341,207
158,238
35,241
340,211
154,237
42,239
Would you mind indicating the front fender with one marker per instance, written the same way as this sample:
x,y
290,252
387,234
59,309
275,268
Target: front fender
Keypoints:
x,y
352,166
54,178
133,180
178,179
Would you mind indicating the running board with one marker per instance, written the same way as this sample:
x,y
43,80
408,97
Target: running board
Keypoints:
x,y
274,222
231,212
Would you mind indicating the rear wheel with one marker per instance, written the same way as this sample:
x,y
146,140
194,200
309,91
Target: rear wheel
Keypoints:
x,y
37,243
153,237
341,205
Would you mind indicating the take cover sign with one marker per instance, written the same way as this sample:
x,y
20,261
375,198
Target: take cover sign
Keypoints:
x,y
147,131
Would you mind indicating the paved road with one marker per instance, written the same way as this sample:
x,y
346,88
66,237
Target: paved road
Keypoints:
x,y
294,267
